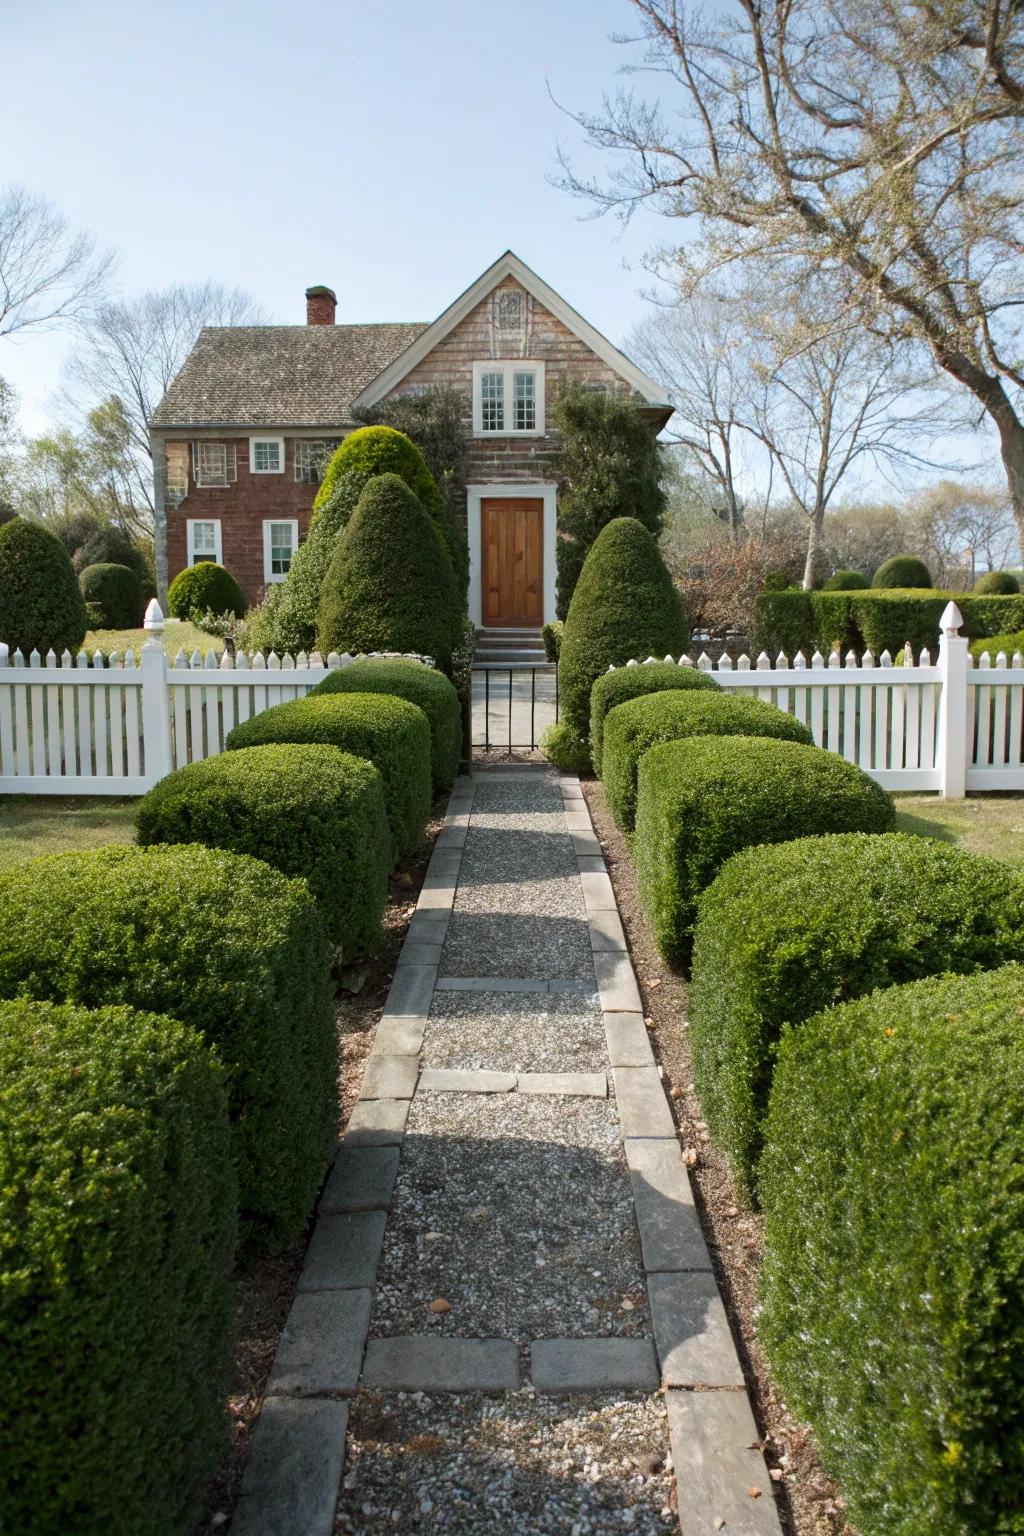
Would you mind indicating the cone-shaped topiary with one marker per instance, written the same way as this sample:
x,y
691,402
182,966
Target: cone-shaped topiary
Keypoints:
x,y
41,606
390,586
624,606
117,591
383,450
902,571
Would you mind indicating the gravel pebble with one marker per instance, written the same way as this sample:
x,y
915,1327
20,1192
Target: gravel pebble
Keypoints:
x,y
516,1032
521,1464
534,1206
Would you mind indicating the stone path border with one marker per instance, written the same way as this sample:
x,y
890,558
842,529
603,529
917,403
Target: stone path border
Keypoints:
x,y
292,1479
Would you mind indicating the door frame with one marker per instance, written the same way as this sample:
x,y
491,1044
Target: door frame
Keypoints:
x,y
511,490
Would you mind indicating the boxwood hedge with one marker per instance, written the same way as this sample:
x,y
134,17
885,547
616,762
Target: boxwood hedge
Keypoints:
x,y
420,685
788,930
632,728
702,800
893,1287
392,733
205,587
877,621
116,591
312,811
117,1214
222,942
624,683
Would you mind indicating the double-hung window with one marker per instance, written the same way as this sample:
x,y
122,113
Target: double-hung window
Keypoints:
x,y
280,541
216,464
311,456
204,540
266,455
508,399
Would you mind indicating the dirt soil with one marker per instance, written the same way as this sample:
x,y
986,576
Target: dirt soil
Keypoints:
x,y
266,1287
810,1503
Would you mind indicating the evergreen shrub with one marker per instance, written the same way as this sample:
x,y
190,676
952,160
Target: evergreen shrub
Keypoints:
x,y
116,592
613,688
902,571
997,584
204,588
420,685
702,800
41,605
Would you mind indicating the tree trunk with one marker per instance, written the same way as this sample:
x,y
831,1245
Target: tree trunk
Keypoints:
x,y
814,566
1011,443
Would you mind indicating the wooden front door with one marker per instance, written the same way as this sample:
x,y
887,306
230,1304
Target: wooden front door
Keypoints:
x,y
512,579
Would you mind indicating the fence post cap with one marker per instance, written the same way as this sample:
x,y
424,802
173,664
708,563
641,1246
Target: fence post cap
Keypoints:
x,y
154,620
951,619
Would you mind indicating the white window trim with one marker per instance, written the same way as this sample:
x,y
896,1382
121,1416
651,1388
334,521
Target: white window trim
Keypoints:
x,y
230,467
252,456
190,523
269,577
475,494
508,366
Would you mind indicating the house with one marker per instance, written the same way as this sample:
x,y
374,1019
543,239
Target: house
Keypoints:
x,y
240,435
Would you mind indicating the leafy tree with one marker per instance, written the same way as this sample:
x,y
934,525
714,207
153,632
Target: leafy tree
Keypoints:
x,y
610,460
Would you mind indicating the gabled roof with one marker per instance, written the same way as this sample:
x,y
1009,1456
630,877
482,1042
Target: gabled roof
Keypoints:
x,y
279,375
510,265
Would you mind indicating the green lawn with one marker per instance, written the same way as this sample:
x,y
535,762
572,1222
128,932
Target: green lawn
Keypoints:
x,y
992,824
176,636
35,824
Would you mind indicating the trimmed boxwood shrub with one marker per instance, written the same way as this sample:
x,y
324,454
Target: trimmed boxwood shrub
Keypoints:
x,y
568,752
902,571
784,621
117,591
632,728
392,733
788,930
876,621
624,607
846,581
420,685
222,942
996,643
997,584
41,605
700,801
632,683
390,585
117,1207
307,810
204,588
552,634
893,1285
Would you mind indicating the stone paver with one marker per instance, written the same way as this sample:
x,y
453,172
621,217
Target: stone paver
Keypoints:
x,y
670,1231
593,1365
361,1180
377,1123
591,1085
321,1347
294,1468
400,1036
717,1463
628,1042
411,990
343,1251
425,1364
643,1108
606,931
691,1330
616,982
390,1077
447,1080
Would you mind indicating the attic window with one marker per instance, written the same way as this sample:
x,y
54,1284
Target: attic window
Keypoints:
x,y
216,464
508,399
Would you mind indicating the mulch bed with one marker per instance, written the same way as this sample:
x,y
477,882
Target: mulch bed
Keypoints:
x,y
810,1503
266,1287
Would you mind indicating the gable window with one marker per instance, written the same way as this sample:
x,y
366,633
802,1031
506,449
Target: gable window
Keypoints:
x,y
266,455
204,540
311,456
280,541
216,464
508,399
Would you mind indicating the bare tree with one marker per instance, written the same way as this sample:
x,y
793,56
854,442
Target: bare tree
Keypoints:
x,y
130,351
873,140
962,529
697,349
49,273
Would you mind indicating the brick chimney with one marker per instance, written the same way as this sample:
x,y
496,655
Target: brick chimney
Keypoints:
x,y
321,303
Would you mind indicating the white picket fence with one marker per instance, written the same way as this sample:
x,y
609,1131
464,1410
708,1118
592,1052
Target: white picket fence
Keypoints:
x,y
81,726
945,726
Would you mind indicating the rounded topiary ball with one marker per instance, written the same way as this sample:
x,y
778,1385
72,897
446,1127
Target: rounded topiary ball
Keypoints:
x,y
116,591
902,571
204,588
846,581
41,607
997,584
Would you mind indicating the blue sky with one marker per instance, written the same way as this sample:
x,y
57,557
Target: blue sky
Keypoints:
x,y
391,151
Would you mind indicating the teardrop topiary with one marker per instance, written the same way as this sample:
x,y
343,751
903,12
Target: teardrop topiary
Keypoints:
x,y
625,606
902,571
41,606
390,586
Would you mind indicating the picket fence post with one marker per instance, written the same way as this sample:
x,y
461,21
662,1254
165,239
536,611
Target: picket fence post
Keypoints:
x,y
951,753
156,698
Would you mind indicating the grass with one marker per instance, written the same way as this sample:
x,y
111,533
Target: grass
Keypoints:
x,y
177,636
992,824
31,825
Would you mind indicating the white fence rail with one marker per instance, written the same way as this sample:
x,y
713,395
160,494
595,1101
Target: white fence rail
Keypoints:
x,y
71,726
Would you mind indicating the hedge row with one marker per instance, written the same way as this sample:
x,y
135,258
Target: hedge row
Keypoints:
x,y
702,800
880,620
893,1284
631,729
419,685
117,1208
632,683
789,930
